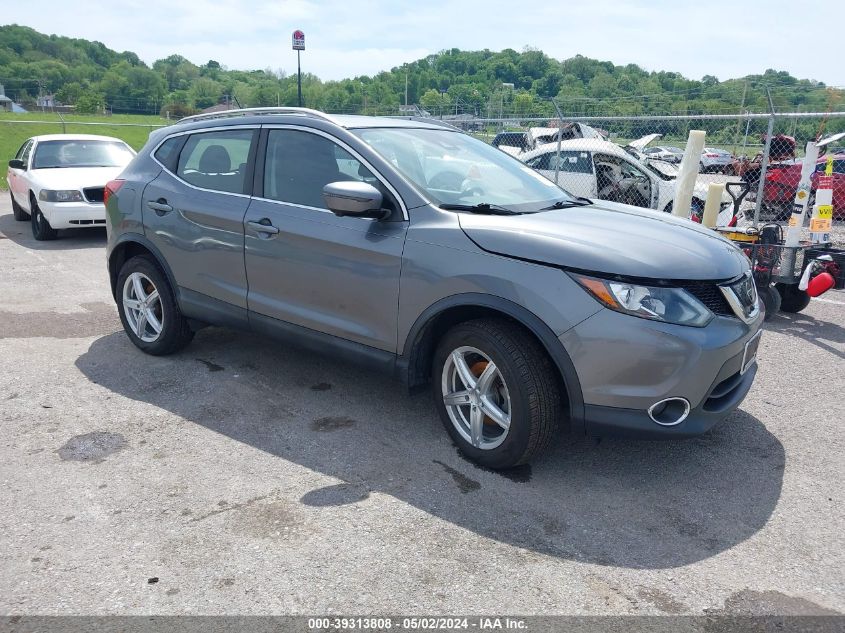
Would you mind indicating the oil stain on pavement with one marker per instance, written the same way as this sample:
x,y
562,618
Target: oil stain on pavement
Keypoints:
x,y
91,447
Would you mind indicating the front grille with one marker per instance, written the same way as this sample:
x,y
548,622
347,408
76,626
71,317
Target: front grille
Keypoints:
x,y
710,295
94,194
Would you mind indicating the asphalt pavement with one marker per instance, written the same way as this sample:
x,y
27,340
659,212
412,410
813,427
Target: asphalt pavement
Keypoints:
x,y
245,477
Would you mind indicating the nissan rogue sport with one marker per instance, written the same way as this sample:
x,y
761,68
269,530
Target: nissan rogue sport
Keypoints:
x,y
429,254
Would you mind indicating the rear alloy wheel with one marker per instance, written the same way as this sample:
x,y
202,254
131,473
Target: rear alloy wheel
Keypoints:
x,y
41,229
496,391
148,308
17,210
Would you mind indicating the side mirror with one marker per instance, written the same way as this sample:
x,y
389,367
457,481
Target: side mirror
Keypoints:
x,y
354,198
17,163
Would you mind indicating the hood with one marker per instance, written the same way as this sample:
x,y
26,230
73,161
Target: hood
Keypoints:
x,y
610,238
640,143
75,177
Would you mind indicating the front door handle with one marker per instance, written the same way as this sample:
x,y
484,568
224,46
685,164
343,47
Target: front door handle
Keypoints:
x,y
160,206
263,226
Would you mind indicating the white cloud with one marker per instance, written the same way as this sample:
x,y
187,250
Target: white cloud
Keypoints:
x,y
348,38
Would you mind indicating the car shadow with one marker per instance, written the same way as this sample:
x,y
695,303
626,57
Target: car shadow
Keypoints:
x,y
69,239
815,331
615,502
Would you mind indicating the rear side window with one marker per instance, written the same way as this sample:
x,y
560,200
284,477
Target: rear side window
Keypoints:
x,y
168,152
300,164
216,160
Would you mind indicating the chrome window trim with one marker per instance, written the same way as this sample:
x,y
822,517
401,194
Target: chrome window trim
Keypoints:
x,y
355,154
736,305
153,151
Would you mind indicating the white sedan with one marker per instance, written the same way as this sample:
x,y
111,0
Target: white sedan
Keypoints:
x,y
595,168
58,180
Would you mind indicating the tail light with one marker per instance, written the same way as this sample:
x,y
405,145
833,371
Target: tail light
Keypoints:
x,y
112,187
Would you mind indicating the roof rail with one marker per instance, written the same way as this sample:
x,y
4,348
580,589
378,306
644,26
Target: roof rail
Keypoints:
x,y
225,114
429,120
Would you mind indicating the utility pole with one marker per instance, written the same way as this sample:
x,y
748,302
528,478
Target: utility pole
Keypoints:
x,y
406,86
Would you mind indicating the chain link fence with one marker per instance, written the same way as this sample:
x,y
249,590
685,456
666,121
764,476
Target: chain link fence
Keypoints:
x,y
635,160
628,159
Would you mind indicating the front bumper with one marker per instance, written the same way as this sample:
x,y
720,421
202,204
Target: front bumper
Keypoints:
x,y
625,365
68,215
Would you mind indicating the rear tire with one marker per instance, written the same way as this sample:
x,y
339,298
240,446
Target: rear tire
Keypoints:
x,y
521,386
148,309
17,210
41,229
792,299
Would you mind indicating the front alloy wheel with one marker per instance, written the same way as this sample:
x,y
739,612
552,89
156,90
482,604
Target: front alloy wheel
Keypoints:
x,y
142,307
476,398
496,390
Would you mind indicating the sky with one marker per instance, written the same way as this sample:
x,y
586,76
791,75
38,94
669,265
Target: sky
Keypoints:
x,y
362,37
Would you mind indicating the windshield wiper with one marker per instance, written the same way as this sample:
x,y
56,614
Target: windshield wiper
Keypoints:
x,y
566,204
484,208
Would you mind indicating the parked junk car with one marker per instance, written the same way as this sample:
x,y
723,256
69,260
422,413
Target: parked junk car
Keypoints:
x,y
668,153
782,181
593,168
781,150
429,254
715,160
519,142
57,181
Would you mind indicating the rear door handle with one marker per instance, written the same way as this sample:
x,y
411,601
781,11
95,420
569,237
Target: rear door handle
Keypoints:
x,y
160,206
263,226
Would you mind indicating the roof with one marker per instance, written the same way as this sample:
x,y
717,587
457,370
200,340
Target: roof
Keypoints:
x,y
578,144
348,121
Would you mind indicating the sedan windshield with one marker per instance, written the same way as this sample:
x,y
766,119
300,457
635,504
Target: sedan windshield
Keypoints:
x,y
80,153
460,171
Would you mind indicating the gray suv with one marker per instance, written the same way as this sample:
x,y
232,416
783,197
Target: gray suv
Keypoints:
x,y
433,256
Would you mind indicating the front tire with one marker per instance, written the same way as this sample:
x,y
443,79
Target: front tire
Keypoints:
x,y
41,229
148,309
496,391
771,301
17,210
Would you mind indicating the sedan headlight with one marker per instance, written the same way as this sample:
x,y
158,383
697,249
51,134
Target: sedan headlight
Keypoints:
x,y
670,305
50,195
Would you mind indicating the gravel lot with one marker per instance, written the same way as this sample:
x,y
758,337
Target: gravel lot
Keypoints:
x,y
242,477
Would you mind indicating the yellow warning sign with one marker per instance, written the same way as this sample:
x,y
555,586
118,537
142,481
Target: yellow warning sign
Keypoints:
x,y
826,211
793,219
828,168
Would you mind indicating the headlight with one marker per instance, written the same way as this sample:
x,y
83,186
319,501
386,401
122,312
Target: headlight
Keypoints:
x,y
49,195
670,305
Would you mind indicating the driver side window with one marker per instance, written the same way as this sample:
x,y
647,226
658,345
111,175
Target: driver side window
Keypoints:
x,y
24,151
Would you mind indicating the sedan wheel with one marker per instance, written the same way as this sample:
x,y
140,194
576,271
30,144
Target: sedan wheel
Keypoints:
x,y
142,307
41,229
476,398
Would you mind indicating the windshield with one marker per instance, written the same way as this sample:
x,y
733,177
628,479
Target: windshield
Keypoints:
x,y
457,169
80,153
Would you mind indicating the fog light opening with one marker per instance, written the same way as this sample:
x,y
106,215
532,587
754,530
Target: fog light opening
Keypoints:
x,y
670,411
